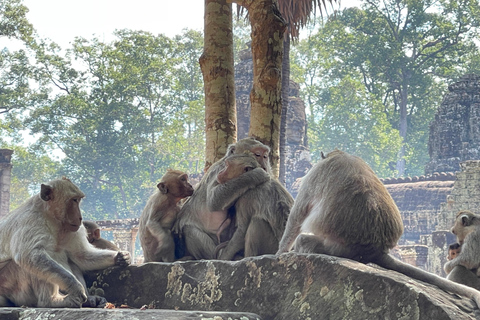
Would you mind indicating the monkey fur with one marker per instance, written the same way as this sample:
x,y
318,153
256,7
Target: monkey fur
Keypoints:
x,y
343,209
159,214
44,251
200,228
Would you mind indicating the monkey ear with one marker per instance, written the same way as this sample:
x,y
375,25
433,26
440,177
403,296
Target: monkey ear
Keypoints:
x,y
322,154
46,192
162,187
465,220
96,234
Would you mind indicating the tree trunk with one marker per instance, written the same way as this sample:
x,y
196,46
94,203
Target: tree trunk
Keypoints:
x,y
402,128
217,67
268,28
285,104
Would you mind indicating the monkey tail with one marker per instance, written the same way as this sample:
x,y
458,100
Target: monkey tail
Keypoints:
x,y
388,262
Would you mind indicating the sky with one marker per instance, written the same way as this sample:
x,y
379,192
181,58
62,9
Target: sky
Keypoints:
x,y
63,20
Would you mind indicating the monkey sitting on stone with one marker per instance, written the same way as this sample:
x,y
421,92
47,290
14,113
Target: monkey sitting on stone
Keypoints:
x,y
342,209
200,226
463,268
159,214
44,251
260,213
94,237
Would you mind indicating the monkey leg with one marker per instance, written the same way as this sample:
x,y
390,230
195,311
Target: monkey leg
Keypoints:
x,y
307,243
260,238
198,243
165,251
462,275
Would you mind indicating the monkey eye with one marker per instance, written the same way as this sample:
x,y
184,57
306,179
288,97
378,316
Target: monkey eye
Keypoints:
x,y
76,200
246,169
232,151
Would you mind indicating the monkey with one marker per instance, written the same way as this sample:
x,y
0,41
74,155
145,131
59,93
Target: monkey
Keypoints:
x,y
453,251
159,214
201,229
93,236
261,212
463,268
44,251
342,209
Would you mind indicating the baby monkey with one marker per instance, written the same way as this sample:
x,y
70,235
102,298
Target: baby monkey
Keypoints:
x,y
453,251
159,214
94,237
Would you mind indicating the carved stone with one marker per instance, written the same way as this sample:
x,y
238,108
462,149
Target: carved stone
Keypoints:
x,y
455,132
5,178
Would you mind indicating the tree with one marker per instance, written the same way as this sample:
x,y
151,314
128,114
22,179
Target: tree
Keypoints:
x,y
216,63
268,28
402,50
125,112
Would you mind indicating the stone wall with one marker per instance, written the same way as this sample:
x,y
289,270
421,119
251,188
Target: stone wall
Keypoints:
x,y
5,176
465,195
455,132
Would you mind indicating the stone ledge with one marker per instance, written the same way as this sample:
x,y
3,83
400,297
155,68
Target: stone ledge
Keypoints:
x,y
291,286
118,314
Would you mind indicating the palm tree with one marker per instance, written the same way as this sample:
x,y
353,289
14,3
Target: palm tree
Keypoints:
x,y
297,14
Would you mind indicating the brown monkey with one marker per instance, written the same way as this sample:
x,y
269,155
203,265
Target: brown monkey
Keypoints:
x,y
453,251
93,236
463,268
200,226
44,250
260,213
160,212
347,212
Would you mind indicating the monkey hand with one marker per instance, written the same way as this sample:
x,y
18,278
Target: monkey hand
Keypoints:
x,y
259,176
95,302
76,295
122,258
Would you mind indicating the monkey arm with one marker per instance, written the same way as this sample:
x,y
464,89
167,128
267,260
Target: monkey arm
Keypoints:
x,y
222,196
88,257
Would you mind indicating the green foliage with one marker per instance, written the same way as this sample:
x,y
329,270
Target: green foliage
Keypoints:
x,y
122,113
352,120
403,52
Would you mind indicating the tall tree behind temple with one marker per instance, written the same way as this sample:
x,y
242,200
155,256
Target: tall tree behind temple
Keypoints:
x,y
219,84
268,28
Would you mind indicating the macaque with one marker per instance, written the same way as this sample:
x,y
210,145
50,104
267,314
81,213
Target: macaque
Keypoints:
x,y
203,229
94,237
159,215
343,209
261,212
453,251
44,251
463,268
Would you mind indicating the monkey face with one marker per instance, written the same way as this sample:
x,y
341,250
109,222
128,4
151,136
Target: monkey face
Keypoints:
x,y
464,224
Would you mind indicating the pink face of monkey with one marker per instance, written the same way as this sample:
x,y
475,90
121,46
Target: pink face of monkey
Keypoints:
x,y
235,166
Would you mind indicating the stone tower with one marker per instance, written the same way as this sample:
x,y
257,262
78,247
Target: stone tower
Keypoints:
x,y
455,132
298,156
5,176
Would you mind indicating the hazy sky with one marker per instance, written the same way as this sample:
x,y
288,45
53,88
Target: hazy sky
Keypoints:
x,y
63,20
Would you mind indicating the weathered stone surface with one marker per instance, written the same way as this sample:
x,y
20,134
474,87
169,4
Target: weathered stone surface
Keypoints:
x,y
287,287
118,314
